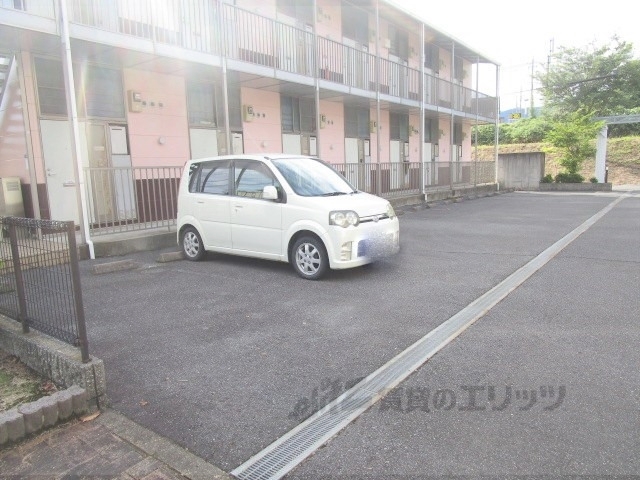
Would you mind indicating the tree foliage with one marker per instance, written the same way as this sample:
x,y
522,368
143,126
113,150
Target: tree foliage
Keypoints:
x,y
602,79
525,130
574,139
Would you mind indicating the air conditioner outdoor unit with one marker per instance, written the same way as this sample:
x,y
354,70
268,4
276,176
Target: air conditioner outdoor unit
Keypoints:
x,y
11,204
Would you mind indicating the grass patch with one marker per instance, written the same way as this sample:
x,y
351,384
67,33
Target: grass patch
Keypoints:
x,y
19,384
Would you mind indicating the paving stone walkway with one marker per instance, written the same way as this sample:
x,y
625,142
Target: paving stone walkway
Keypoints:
x,y
111,446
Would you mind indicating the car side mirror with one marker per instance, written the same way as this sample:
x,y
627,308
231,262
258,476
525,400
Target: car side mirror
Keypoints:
x,y
270,193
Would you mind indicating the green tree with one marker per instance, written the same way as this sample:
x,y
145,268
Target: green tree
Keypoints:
x,y
529,130
602,79
573,137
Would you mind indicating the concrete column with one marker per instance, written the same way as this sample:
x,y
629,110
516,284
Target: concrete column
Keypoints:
x,y
601,154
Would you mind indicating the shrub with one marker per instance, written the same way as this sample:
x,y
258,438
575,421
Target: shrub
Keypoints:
x,y
565,177
548,178
593,180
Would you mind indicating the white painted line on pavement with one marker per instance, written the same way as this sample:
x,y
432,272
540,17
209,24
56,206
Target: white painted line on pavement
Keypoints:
x,y
291,449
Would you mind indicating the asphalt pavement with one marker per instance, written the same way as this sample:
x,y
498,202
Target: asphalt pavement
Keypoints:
x,y
225,356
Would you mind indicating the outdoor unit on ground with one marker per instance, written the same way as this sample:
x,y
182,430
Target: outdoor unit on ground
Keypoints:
x,y
11,204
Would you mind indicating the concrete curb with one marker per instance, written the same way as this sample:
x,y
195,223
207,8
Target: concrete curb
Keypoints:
x,y
170,257
156,446
116,266
43,413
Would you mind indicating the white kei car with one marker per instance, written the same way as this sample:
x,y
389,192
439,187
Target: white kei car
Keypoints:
x,y
288,208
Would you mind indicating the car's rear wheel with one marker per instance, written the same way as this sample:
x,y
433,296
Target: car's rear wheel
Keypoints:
x,y
192,244
310,258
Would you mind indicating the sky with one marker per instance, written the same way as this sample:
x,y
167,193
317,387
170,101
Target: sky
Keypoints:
x,y
515,34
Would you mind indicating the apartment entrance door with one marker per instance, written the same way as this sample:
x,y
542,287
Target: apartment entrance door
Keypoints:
x,y
110,177
60,170
358,160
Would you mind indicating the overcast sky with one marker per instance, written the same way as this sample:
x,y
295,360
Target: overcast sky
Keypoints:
x,y
516,33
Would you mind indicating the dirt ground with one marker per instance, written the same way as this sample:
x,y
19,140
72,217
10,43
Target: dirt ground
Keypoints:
x,y
19,384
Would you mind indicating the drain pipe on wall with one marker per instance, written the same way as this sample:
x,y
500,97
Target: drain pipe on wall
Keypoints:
x,y
73,120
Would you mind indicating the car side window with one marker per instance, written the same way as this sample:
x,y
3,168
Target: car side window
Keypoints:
x,y
251,178
212,178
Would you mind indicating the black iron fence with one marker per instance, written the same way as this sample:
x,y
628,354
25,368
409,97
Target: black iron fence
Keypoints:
x,y
40,279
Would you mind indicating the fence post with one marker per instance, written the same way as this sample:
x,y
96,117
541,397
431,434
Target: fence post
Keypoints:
x,y
77,291
22,300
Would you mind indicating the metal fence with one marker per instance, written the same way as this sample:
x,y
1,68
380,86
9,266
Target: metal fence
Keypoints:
x,y
452,174
40,279
125,199
398,179
122,199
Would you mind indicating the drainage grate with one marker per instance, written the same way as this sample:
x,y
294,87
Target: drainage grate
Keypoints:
x,y
288,451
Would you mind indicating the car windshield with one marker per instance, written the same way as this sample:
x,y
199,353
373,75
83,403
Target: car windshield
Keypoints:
x,y
310,177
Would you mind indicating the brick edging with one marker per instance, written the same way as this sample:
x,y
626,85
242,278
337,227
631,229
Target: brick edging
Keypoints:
x,y
45,412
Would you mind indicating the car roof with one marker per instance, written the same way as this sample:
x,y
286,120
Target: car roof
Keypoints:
x,y
258,157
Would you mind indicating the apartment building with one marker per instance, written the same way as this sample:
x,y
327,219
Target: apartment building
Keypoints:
x,y
94,88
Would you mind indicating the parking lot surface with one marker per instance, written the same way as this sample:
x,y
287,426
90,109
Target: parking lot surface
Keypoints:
x,y
227,355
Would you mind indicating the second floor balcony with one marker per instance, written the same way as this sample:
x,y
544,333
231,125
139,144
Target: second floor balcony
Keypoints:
x,y
244,38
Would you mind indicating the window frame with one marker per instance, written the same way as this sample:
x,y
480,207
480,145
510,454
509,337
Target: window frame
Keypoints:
x,y
197,182
243,165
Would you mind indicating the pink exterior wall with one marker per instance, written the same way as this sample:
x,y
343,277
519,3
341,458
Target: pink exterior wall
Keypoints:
x,y
264,132
445,141
266,8
158,136
414,138
385,137
331,137
466,143
329,17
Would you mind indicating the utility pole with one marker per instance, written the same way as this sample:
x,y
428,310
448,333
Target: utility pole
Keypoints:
x,y
531,103
551,48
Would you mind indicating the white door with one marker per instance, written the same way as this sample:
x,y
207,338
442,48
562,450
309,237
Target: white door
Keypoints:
x,y
123,181
204,142
351,150
237,144
395,154
256,224
399,81
291,144
212,205
355,60
60,170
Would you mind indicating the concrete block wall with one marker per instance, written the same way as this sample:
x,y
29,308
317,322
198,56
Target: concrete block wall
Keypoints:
x,y
55,360
520,171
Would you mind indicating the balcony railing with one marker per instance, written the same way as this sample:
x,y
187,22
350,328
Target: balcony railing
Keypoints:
x,y
213,28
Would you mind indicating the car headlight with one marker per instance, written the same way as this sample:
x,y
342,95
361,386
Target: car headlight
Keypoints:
x,y
391,213
344,218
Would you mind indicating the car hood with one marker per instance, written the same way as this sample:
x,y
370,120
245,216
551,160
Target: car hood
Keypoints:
x,y
364,204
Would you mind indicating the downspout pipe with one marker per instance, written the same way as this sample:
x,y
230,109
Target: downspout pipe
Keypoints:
x,y
72,113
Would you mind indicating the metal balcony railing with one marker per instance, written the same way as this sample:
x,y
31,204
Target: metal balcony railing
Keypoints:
x,y
222,29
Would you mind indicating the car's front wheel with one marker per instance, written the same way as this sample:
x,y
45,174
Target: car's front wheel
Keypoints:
x,y
192,244
310,258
